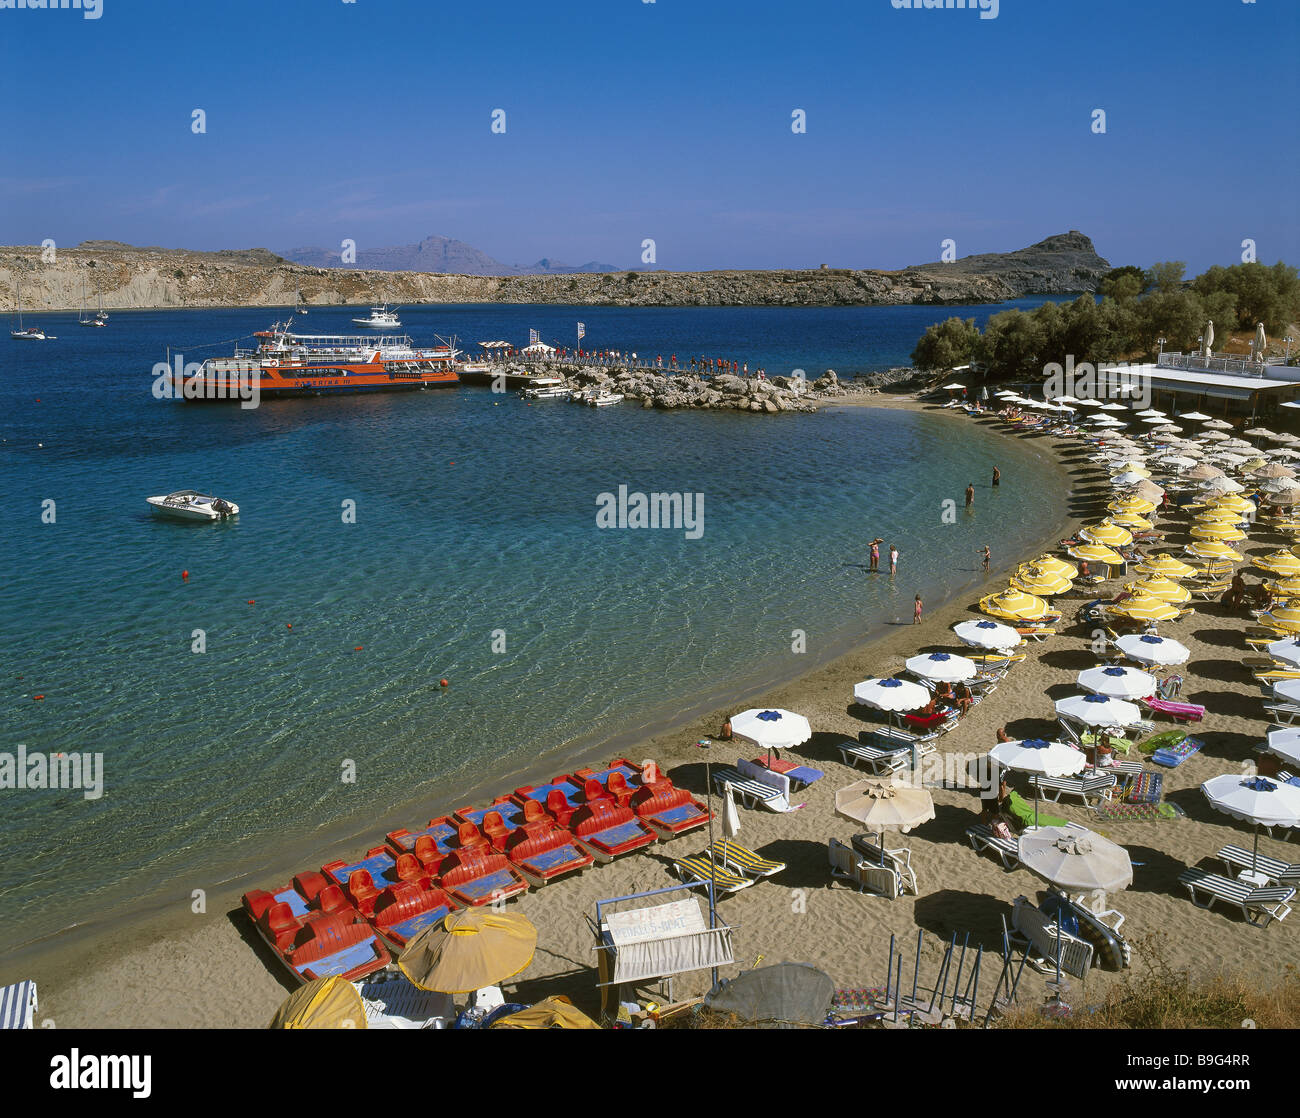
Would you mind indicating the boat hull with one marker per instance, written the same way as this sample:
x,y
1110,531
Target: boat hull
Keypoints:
x,y
283,382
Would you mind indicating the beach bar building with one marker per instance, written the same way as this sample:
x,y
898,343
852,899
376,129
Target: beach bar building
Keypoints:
x,y
1223,385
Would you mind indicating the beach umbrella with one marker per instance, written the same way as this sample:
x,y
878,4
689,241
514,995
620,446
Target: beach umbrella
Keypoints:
x,y
1118,683
1164,565
1286,743
1147,491
1055,565
1014,605
1144,607
1256,800
884,805
1213,549
555,1012
1217,425
1231,502
1224,532
1090,403
953,387
1147,648
1099,711
1198,416
1112,535
1286,650
1274,470
1217,514
1212,437
1132,521
322,1003
1113,406
891,695
1177,461
1096,553
1283,617
1076,860
1281,563
771,729
469,949
730,819
1137,506
1163,588
1150,411
942,667
1033,579
1221,485
1038,757
1285,588
1130,477
987,634
1156,420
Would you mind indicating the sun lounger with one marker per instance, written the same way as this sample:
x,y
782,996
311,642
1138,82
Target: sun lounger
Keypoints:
x,y
1040,931
1023,812
1208,591
1277,872
697,870
1036,632
930,726
392,1001
1179,712
18,1005
881,762
800,776
1258,906
1088,787
898,859
1285,713
745,861
982,839
608,830
751,792
847,865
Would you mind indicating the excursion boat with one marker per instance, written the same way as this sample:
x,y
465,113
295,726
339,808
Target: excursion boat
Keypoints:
x,y
187,504
291,364
381,318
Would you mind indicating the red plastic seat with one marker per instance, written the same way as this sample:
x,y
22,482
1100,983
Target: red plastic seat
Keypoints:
x,y
534,812
495,829
362,890
558,807
331,899
593,791
468,835
426,850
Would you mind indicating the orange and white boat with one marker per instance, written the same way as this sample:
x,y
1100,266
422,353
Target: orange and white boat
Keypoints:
x,y
286,363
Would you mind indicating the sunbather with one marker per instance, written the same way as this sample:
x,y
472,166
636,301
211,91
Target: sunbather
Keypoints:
x,y
963,698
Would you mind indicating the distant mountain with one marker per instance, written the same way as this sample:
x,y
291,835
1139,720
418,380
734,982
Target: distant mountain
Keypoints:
x,y
1062,264
436,255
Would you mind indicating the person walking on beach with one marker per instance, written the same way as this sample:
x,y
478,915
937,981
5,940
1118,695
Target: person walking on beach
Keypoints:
x,y
875,555
916,612
893,560
997,477
987,557
970,494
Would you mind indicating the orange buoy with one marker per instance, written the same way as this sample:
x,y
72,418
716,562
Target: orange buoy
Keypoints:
x,y
250,601
357,649
185,575
443,683
37,698
290,625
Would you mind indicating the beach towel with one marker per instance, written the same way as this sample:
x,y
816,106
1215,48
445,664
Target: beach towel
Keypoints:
x,y
779,781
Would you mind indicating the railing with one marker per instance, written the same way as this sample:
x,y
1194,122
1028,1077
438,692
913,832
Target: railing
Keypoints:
x,y
1236,363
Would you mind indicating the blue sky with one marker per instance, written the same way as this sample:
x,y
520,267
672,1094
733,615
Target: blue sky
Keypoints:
x,y
669,120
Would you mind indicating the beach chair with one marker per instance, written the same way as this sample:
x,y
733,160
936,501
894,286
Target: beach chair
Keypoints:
x,y
1283,713
1275,675
1039,932
1277,872
848,866
1036,632
392,1001
1022,811
900,860
928,727
745,861
880,762
1258,906
696,869
1089,787
18,1005
800,776
1208,591
982,839
751,792
1179,712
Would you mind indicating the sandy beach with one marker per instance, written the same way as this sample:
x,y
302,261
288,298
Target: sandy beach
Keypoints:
x,y
210,970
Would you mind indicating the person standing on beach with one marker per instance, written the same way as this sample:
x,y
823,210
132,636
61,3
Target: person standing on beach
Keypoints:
x,y
875,555
893,560
987,557
916,613
997,477
970,495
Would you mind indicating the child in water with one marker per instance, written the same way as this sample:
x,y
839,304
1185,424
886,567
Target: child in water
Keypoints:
x,y
916,615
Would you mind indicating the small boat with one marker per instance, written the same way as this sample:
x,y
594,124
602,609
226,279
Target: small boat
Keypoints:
x,y
186,504
381,318
603,399
82,320
28,333
297,300
555,391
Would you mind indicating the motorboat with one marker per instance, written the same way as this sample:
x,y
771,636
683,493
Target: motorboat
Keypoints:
x,y
297,301
187,504
381,318
603,399
555,391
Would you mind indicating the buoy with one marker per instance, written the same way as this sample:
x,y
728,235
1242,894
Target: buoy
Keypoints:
x,y
290,625
37,698
357,649
185,575
451,463
443,683
251,601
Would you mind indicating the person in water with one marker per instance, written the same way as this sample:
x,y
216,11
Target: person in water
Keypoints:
x,y
997,477
987,556
893,560
916,613
875,554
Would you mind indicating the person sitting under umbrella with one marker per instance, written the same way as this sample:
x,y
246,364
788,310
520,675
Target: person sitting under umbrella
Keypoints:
x,y
963,698
996,810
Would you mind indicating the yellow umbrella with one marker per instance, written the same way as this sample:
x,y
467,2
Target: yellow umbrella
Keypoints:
x,y
1131,468
1285,588
322,1003
1217,516
1110,534
554,1013
1164,565
1233,502
1055,565
1096,553
1132,520
1145,607
1224,532
1014,605
1213,549
1284,617
1163,589
468,950
1281,563
1033,579
1133,505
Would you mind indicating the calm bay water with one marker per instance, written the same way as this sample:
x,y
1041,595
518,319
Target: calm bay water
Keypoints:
x,y
475,515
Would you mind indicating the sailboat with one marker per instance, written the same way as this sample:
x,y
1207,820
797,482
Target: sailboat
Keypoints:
x,y
29,333
297,298
101,316
82,320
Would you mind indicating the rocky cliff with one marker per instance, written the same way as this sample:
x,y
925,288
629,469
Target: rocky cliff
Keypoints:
x,y
151,277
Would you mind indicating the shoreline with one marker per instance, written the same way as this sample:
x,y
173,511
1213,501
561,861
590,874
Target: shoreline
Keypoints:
x,y
56,959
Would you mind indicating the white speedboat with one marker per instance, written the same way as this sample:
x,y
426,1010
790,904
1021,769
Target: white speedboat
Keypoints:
x,y
555,391
28,333
186,504
604,399
381,318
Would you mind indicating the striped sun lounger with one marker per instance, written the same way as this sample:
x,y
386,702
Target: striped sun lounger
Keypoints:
x,y
1258,906
1090,787
752,792
18,1005
1278,872
696,870
743,860
982,839
879,761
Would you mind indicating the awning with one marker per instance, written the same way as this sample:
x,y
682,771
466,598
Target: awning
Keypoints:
x,y
663,940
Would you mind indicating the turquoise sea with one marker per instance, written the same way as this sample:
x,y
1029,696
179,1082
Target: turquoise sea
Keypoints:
x,y
474,557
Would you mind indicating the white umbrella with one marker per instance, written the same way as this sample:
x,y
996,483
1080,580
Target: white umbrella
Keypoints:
x,y
1288,689
1118,683
953,387
730,816
1196,415
1177,461
891,695
943,667
987,634
1218,425
1256,800
1038,758
1286,650
1151,411
1130,477
1089,403
1113,406
1099,710
1222,485
1076,860
1286,743
1147,648
771,729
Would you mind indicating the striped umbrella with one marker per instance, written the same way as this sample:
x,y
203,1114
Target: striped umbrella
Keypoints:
x,y
1055,565
1163,588
1144,607
1281,563
1132,521
1225,532
1096,553
1033,579
1137,505
1285,587
1213,549
1014,605
1283,617
1164,565
1112,535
